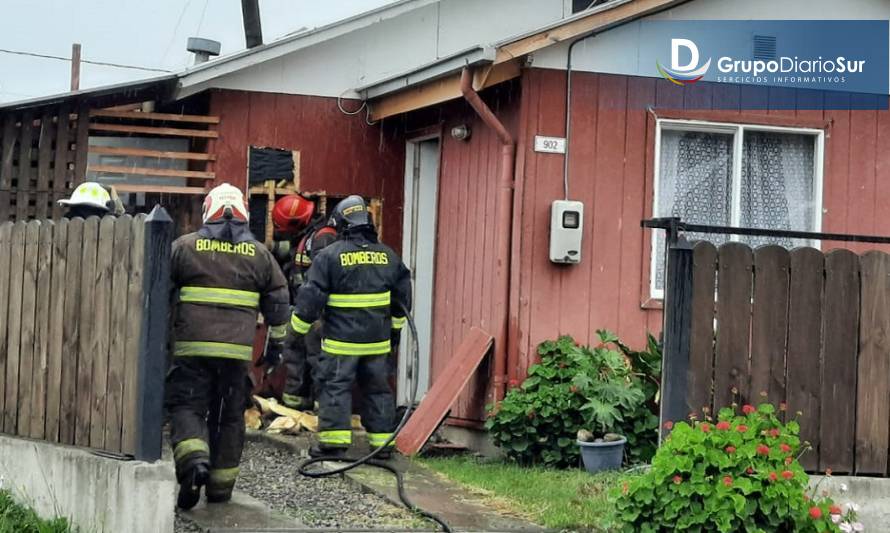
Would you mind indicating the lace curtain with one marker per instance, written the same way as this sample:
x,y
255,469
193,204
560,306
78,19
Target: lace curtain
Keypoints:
x,y
695,184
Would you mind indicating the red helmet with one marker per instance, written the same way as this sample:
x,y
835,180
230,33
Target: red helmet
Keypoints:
x,y
292,213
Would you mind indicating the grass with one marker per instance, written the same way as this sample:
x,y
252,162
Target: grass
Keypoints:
x,y
559,499
16,518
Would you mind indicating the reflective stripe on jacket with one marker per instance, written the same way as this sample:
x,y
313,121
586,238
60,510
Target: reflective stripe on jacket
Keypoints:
x,y
355,285
221,288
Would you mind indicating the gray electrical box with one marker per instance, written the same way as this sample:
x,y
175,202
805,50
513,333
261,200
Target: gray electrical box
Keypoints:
x,y
566,229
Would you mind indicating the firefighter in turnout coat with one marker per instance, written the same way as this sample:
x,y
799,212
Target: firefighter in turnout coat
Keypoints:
x,y
224,277
356,285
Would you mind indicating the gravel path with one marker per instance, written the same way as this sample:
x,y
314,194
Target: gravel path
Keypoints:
x,y
269,474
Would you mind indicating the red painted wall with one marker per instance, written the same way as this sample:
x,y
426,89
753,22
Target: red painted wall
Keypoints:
x,y
340,154
611,171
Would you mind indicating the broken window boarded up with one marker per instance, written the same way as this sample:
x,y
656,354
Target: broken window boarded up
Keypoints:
x,y
266,164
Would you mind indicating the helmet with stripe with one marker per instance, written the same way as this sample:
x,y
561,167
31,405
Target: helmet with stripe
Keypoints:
x,y
224,202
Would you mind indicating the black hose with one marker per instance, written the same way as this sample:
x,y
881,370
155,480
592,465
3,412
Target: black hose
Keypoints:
x,y
369,459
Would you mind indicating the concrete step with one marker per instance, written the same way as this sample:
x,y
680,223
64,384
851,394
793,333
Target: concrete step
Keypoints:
x,y
242,513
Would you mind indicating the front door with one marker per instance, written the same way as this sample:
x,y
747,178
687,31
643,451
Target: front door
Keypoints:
x,y
419,253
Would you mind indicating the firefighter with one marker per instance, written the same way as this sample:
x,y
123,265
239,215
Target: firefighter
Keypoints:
x,y
357,285
223,277
89,199
294,217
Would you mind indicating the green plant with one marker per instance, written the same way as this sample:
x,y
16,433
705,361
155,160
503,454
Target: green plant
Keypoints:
x,y
738,473
16,518
574,387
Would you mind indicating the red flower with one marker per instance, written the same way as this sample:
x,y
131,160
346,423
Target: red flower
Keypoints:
x,y
706,427
785,448
748,409
763,449
834,509
727,480
513,383
783,406
668,425
749,470
774,433
573,389
730,449
787,474
741,428
789,460
815,512
773,476
677,480
723,426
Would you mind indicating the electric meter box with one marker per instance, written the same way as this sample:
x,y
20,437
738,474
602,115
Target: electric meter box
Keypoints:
x,y
566,229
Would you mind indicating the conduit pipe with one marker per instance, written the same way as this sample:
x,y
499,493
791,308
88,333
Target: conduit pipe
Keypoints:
x,y
502,228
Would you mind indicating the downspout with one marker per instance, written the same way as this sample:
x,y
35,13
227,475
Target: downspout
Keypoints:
x,y
502,227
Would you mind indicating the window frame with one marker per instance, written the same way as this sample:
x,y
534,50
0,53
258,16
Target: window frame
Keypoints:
x,y
738,131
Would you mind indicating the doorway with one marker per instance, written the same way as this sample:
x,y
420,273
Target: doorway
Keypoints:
x,y
419,254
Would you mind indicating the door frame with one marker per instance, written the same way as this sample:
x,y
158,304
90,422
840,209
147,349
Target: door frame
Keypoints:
x,y
412,158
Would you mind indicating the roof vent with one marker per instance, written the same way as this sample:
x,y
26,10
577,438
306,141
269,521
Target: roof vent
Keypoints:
x,y
203,48
764,47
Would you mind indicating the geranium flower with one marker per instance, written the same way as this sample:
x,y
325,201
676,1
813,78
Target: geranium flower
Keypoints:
x,y
749,470
789,460
677,480
785,448
741,428
835,509
835,518
727,480
763,449
730,449
787,474
773,476
668,425
723,426
815,512
774,433
748,409
705,427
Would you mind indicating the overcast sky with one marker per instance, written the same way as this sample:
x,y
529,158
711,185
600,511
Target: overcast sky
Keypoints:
x,y
148,33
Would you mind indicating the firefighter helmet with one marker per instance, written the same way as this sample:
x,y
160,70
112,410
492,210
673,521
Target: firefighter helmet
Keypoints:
x,y
89,194
351,212
224,202
292,213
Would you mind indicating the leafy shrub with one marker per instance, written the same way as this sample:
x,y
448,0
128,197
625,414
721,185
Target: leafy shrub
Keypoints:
x,y
575,387
738,473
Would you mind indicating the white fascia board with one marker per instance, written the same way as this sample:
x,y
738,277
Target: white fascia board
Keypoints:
x,y
437,69
252,56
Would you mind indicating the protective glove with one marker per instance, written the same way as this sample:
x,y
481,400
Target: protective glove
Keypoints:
x,y
272,356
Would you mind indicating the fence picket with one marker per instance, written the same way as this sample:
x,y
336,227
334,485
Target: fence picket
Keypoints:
x,y
118,330
840,343
734,284
5,236
873,403
14,326
701,342
71,332
87,345
41,330
26,347
129,434
770,322
804,345
101,331
56,319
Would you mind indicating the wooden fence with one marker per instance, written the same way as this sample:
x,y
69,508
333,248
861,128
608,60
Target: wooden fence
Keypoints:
x,y
808,328
83,308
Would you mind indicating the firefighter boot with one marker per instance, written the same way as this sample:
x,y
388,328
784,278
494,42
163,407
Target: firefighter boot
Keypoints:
x,y
320,450
190,485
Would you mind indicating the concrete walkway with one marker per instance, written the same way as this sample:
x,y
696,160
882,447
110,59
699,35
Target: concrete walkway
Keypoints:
x,y
425,488
243,513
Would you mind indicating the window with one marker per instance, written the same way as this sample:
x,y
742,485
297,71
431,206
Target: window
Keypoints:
x,y
735,175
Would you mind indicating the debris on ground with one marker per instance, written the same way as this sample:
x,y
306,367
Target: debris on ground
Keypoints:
x,y
275,418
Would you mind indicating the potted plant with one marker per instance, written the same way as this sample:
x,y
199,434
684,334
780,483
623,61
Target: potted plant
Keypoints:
x,y
599,454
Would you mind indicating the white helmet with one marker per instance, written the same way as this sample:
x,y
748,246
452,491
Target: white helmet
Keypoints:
x,y
223,202
89,193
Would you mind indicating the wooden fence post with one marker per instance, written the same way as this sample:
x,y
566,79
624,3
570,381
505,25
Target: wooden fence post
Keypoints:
x,y
153,336
677,329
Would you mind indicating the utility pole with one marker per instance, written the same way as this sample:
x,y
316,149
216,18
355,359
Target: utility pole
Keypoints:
x,y
75,66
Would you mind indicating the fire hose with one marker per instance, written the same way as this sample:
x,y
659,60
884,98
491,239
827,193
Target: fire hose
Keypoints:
x,y
411,372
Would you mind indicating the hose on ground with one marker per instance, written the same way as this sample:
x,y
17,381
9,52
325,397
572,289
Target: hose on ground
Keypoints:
x,y
412,372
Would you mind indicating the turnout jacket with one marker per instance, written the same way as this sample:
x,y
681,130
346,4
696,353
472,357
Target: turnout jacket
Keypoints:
x,y
355,285
221,286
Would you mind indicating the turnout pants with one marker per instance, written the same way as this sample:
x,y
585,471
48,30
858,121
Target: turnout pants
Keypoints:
x,y
339,372
206,397
301,388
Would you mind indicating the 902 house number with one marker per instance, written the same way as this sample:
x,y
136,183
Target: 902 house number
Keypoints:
x,y
551,145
